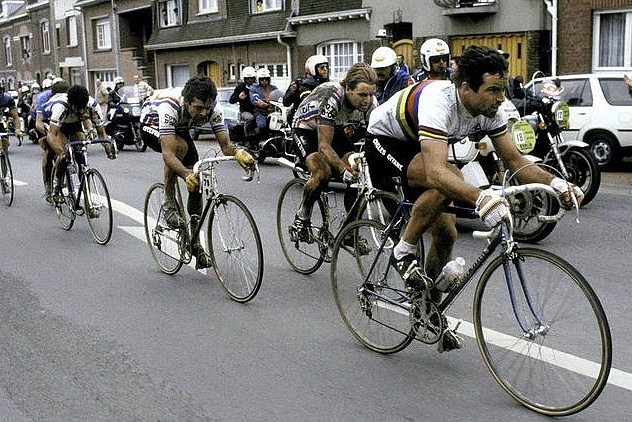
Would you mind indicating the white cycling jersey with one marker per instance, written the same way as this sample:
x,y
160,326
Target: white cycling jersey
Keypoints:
x,y
60,111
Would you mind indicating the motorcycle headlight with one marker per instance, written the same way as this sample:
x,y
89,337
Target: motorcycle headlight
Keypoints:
x,y
125,110
135,111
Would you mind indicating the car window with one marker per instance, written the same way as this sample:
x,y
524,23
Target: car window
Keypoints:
x,y
615,90
577,92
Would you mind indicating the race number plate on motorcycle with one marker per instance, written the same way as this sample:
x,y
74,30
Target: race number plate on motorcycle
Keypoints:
x,y
561,114
523,136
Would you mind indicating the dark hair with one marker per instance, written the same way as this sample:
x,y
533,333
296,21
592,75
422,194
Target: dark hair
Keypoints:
x,y
475,62
78,96
358,73
201,87
60,87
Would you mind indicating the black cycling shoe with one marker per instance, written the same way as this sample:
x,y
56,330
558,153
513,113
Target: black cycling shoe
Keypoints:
x,y
412,274
358,243
449,341
173,218
301,231
202,259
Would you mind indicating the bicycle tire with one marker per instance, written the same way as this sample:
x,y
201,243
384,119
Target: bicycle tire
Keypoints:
x,y
303,257
235,248
377,324
7,179
64,203
165,244
97,206
543,374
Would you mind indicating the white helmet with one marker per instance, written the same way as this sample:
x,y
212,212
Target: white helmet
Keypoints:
x,y
25,88
248,72
383,57
36,86
57,79
263,72
313,62
432,48
47,83
119,80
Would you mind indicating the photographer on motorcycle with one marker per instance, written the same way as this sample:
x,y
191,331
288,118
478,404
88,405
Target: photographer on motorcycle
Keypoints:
x,y
241,95
316,72
260,98
114,98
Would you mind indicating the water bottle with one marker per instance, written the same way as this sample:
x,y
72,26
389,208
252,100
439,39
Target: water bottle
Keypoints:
x,y
452,272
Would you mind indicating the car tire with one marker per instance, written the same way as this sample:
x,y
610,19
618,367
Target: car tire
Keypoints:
x,y
604,148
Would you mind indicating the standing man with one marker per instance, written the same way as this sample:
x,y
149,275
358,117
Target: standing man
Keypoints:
x,y
401,64
142,89
390,79
101,95
322,139
165,127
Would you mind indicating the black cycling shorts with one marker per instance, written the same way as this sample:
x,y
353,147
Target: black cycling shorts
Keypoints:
x,y
151,137
388,158
306,143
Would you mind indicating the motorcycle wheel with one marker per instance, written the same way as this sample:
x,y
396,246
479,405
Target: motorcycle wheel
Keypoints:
x,y
583,171
526,208
140,145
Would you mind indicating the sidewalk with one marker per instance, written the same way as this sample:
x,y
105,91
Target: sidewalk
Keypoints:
x,y
617,178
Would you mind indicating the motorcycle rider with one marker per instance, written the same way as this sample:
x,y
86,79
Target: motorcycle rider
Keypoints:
x,y
316,72
165,124
115,96
241,95
435,58
390,78
260,99
35,90
7,101
412,143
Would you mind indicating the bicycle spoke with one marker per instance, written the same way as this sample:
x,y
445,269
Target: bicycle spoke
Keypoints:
x,y
97,207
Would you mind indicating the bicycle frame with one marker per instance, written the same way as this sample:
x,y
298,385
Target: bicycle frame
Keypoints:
x,y
82,167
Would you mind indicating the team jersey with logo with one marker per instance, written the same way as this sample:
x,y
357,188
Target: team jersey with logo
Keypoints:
x,y
432,110
168,116
59,111
326,105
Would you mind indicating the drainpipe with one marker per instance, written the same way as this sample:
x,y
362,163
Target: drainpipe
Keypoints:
x,y
551,7
288,55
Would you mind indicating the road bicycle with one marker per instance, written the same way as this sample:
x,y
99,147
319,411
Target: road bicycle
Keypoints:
x,y
6,175
305,256
81,189
539,326
233,238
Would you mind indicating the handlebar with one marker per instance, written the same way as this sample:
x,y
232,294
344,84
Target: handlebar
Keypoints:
x,y
250,173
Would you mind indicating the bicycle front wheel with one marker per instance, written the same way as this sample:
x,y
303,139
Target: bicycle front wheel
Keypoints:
x,y
164,243
558,362
7,179
368,292
64,202
303,255
235,247
98,208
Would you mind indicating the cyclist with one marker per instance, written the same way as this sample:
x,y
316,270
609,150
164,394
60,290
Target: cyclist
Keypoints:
x,y
390,78
316,72
7,101
435,60
67,114
165,125
409,137
323,134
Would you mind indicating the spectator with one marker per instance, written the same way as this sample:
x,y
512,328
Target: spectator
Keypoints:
x,y
389,79
260,98
435,56
260,6
101,94
401,64
142,89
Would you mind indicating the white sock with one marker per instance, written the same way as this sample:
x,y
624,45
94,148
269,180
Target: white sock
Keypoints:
x,y
404,248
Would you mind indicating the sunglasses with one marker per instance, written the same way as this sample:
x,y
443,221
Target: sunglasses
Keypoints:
x,y
323,66
264,79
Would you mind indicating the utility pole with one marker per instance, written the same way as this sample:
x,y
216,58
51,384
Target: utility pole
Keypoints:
x,y
115,39
551,7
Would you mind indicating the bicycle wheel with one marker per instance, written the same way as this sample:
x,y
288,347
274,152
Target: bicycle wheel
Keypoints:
x,y
235,248
379,206
164,243
7,179
373,311
64,203
563,367
98,208
303,257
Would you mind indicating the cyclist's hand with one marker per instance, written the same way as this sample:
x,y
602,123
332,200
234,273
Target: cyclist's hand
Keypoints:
x,y
110,150
244,159
19,134
566,191
492,208
349,175
192,182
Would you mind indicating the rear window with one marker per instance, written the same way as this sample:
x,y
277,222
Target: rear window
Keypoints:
x,y
577,92
616,91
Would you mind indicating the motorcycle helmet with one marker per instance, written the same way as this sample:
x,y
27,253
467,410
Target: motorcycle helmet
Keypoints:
x,y
47,83
57,79
119,80
25,88
383,57
36,87
313,62
248,72
434,47
263,72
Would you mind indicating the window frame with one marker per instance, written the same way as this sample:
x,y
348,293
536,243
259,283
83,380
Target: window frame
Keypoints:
x,y
268,6
102,34
26,47
339,64
174,17
71,31
8,54
626,64
44,27
207,6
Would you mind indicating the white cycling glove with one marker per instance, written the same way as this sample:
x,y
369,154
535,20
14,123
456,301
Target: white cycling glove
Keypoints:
x,y
492,207
349,175
565,190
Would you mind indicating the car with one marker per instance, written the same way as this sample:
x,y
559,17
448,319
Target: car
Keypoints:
x,y
600,113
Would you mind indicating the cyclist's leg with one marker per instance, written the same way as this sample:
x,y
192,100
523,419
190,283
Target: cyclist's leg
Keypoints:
x,y
173,154
48,160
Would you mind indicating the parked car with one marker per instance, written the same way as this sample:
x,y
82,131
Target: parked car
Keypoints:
x,y
600,113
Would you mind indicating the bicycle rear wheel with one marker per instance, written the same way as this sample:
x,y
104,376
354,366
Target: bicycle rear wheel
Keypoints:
x,y
303,257
98,208
7,179
235,247
378,323
562,367
164,243
64,202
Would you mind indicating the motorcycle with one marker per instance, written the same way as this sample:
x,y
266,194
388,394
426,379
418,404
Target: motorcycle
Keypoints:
x,y
124,121
548,116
